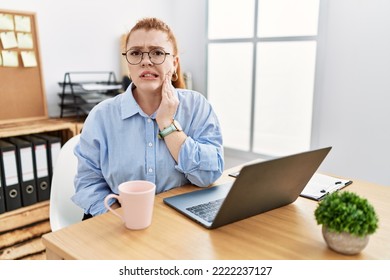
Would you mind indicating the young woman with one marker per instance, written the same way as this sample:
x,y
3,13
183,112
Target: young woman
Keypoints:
x,y
156,130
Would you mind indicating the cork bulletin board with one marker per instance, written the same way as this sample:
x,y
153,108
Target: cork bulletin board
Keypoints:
x,y
22,95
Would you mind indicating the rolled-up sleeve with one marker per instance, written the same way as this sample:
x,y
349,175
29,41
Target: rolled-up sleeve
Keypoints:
x,y
201,155
202,164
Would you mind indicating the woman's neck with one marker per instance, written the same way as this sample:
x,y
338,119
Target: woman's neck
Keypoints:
x,y
148,101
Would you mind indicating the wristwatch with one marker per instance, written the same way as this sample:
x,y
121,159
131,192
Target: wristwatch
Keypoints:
x,y
174,126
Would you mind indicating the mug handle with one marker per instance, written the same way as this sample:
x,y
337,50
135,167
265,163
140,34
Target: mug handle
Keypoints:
x,y
109,208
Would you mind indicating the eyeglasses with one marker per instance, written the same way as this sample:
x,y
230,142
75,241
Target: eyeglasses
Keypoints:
x,y
135,57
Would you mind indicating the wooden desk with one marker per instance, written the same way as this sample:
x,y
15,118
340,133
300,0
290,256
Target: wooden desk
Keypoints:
x,y
290,232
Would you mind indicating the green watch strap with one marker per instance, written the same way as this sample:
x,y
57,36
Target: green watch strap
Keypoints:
x,y
166,131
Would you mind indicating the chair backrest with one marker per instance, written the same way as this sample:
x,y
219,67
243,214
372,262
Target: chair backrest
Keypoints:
x,y
63,212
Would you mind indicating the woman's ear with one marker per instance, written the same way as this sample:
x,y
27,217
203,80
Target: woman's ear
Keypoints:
x,y
176,62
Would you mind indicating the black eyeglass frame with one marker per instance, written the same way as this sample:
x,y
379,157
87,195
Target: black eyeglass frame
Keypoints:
x,y
142,57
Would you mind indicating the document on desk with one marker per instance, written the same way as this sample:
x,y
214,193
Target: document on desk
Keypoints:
x,y
320,185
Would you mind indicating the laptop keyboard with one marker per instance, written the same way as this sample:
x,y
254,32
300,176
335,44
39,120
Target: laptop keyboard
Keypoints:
x,y
207,211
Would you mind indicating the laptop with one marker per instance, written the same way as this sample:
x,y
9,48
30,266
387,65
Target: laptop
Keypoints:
x,y
258,188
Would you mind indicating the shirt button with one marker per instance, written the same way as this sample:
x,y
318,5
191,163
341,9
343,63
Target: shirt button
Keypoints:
x,y
150,170
149,120
150,144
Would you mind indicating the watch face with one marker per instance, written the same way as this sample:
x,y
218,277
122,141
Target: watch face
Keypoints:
x,y
177,125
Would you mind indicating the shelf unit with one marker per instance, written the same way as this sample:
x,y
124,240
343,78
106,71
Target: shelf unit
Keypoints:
x,y
23,111
21,229
81,91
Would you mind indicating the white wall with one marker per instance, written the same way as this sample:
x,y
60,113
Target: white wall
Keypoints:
x,y
83,35
352,98
352,105
190,29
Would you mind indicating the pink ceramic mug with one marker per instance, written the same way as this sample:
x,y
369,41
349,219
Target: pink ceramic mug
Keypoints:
x,y
137,201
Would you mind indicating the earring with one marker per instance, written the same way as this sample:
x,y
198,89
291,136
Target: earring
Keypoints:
x,y
175,77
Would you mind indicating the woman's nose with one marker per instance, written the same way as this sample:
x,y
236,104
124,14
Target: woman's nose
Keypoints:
x,y
146,59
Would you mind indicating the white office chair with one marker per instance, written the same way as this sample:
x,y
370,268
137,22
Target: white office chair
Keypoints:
x,y
63,212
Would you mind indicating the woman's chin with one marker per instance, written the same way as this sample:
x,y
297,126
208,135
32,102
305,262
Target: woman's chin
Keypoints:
x,y
152,85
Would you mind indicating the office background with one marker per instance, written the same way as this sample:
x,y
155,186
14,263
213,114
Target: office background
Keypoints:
x,y
352,87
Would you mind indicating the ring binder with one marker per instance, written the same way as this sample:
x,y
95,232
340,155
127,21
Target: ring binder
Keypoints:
x,y
53,145
25,164
2,199
41,171
10,179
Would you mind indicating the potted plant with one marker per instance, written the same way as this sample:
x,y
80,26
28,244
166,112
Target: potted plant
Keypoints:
x,y
347,221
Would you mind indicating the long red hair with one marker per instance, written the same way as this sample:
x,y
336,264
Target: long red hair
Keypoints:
x,y
156,24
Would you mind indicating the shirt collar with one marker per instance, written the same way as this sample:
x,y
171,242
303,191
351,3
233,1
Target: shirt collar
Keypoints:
x,y
129,106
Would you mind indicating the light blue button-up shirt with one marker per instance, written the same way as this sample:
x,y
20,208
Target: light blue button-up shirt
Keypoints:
x,y
119,143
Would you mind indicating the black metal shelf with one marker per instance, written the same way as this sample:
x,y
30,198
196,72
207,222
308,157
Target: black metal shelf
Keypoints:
x,y
81,91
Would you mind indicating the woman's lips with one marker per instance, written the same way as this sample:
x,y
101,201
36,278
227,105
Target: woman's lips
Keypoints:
x,y
148,75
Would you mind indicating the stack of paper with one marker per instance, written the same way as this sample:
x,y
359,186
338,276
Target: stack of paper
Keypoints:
x,y
100,87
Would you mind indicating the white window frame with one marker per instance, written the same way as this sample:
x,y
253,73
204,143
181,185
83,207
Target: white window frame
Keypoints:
x,y
255,41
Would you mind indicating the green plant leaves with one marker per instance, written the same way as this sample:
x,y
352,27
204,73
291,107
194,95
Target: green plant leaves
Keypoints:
x,y
347,212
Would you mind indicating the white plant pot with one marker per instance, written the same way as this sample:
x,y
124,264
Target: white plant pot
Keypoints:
x,y
344,243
